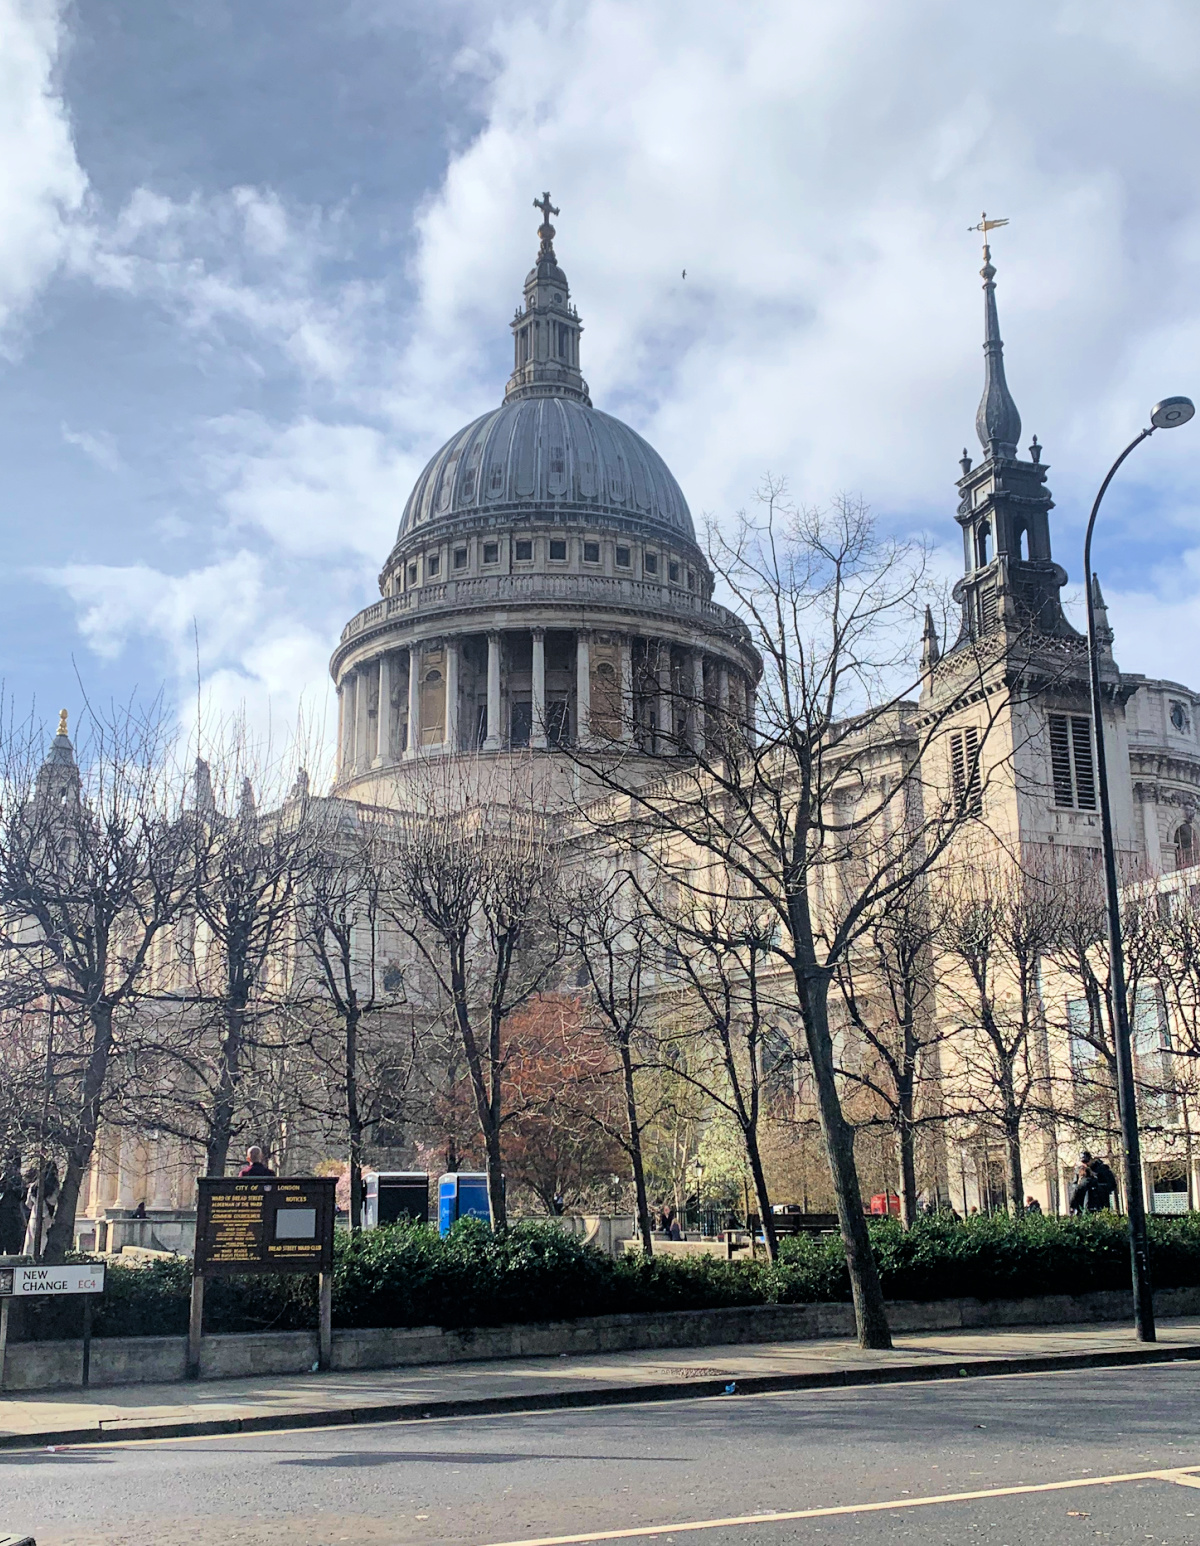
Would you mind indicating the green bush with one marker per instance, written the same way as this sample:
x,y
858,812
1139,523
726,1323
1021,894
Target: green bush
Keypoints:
x,y
405,1275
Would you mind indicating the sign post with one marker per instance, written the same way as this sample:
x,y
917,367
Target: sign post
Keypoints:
x,y
24,1283
263,1224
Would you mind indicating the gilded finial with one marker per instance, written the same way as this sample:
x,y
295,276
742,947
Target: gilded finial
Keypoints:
x,y
62,721
546,230
985,225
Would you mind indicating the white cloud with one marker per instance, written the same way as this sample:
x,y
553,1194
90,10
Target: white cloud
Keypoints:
x,y
41,183
312,488
98,447
255,657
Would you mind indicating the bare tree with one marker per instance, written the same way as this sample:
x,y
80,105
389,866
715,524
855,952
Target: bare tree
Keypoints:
x,y
344,971
996,924
615,941
93,861
473,877
772,807
888,988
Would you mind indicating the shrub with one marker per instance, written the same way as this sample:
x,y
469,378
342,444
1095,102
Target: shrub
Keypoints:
x,y
405,1275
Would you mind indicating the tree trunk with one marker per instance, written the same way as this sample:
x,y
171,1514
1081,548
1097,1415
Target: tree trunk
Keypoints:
x,y
907,1162
353,1121
1014,1179
870,1315
635,1149
220,1130
754,1155
495,1178
61,1236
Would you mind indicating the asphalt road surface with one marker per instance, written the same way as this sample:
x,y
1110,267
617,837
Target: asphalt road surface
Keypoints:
x,y
853,1468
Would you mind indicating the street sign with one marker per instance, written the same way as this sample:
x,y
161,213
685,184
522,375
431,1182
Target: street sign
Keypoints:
x,y
37,1282
261,1224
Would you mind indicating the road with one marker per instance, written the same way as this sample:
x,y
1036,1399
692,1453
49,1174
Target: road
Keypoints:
x,y
707,1463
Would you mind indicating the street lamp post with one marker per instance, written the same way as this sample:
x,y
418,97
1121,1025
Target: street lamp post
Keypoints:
x,y
1168,414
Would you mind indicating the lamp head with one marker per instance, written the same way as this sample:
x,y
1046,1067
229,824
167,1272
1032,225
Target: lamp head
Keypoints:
x,y
1172,411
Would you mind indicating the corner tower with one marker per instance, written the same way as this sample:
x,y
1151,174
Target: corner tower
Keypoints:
x,y
1010,579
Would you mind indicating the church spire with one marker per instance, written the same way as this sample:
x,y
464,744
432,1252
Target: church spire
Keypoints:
x,y
546,330
997,422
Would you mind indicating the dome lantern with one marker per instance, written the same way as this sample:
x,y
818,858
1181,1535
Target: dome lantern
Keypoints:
x,y
546,333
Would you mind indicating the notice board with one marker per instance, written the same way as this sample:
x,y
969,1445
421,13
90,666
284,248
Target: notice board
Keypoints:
x,y
264,1224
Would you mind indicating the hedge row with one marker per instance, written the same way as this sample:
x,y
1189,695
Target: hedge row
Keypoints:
x,y
406,1275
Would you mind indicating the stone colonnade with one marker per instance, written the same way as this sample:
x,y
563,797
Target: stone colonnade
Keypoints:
x,y
535,687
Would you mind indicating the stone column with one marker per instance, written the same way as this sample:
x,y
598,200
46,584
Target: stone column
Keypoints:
x,y
163,1165
125,1154
414,701
348,698
664,741
362,724
696,709
723,689
383,724
452,668
583,687
341,730
627,726
492,742
538,737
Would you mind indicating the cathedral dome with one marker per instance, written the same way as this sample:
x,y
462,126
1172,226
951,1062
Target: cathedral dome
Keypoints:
x,y
555,454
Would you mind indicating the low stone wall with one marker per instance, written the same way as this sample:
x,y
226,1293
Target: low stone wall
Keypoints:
x,y
143,1360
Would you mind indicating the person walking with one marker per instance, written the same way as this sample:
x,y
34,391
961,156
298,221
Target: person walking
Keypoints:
x,y
1080,1200
256,1163
1032,1205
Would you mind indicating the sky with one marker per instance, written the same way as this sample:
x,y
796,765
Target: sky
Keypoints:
x,y
257,263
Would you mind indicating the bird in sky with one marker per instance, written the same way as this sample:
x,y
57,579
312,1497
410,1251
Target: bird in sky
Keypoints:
x,y
685,273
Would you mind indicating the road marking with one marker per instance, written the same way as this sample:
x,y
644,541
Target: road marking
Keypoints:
x,y
1177,1474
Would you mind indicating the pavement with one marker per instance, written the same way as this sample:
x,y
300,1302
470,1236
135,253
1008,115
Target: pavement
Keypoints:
x,y
212,1407
1071,1458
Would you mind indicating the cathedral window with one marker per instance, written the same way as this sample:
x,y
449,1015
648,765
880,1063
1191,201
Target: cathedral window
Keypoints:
x,y
524,549
673,573
691,580
558,550
964,770
412,574
491,552
1179,717
1185,846
622,558
983,537
433,564
1072,765
650,563
460,558
591,552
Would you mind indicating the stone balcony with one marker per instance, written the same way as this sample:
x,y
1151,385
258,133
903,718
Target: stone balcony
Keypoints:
x,y
644,598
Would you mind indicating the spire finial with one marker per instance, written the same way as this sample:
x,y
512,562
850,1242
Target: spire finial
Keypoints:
x,y
997,422
931,649
62,721
545,230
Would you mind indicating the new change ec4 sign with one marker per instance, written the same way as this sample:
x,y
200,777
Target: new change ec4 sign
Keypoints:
x,y
34,1282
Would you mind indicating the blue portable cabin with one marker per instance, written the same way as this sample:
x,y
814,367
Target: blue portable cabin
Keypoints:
x,y
463,1194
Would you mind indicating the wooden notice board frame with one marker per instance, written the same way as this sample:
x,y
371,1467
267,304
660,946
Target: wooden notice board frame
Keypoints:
x,y
247,1224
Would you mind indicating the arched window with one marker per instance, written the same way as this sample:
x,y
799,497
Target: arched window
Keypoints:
x,y
983,537
1185,846
433,709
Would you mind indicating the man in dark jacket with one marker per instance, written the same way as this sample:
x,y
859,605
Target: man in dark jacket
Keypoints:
x,y
255,1163
1104,1186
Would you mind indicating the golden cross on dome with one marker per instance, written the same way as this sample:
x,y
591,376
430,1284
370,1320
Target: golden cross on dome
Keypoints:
x,y
546,208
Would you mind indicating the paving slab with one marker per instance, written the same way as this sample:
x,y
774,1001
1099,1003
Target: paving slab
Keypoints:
x,y
538,1384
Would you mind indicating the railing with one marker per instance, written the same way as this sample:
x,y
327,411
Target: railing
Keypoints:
x,y
587,589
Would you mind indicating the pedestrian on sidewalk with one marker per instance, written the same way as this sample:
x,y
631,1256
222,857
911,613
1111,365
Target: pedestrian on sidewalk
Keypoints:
x,y
256,1163
1104,1187
1032,1205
